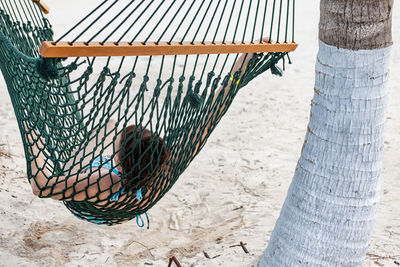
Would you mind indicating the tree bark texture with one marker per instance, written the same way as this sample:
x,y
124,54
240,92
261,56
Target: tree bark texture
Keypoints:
x,y
329,213
356,24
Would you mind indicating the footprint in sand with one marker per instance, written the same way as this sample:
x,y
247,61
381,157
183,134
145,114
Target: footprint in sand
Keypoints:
x,y
49,240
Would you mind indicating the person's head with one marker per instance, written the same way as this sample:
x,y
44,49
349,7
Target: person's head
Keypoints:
x,y
140,154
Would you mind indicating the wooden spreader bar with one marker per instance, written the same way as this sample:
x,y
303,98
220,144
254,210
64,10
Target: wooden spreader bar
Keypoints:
x,y
45,9
96,49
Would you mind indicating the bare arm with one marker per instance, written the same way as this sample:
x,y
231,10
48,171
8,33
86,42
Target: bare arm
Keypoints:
x,y
212,117
94,187
97,186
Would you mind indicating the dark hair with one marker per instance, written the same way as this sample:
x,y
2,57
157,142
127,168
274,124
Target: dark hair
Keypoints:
x,y
142,154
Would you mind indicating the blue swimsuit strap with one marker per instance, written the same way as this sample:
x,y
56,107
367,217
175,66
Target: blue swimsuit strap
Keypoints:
x,y
105,162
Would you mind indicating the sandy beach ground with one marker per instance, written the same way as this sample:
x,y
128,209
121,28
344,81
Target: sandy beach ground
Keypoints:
x,y
231,193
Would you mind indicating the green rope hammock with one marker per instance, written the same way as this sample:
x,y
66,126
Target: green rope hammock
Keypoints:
x,y
71,111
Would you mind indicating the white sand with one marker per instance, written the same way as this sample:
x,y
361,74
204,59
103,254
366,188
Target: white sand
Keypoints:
x,y
232,192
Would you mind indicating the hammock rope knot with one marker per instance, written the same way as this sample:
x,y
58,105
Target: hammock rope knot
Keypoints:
x,y
47,68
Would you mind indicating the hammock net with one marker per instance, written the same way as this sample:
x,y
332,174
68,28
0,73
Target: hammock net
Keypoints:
x,y
71,111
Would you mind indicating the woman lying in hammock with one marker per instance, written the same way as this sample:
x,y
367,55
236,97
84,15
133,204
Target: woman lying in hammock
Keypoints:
x,y
106,183
113,178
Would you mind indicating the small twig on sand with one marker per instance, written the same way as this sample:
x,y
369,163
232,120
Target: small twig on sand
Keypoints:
x,y
379,257
208,256
376,258
243,245
237,245
175,260
137,242
244,248
148,263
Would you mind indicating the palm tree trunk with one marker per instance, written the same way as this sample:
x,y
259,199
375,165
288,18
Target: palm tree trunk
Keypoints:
x,y
329,213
